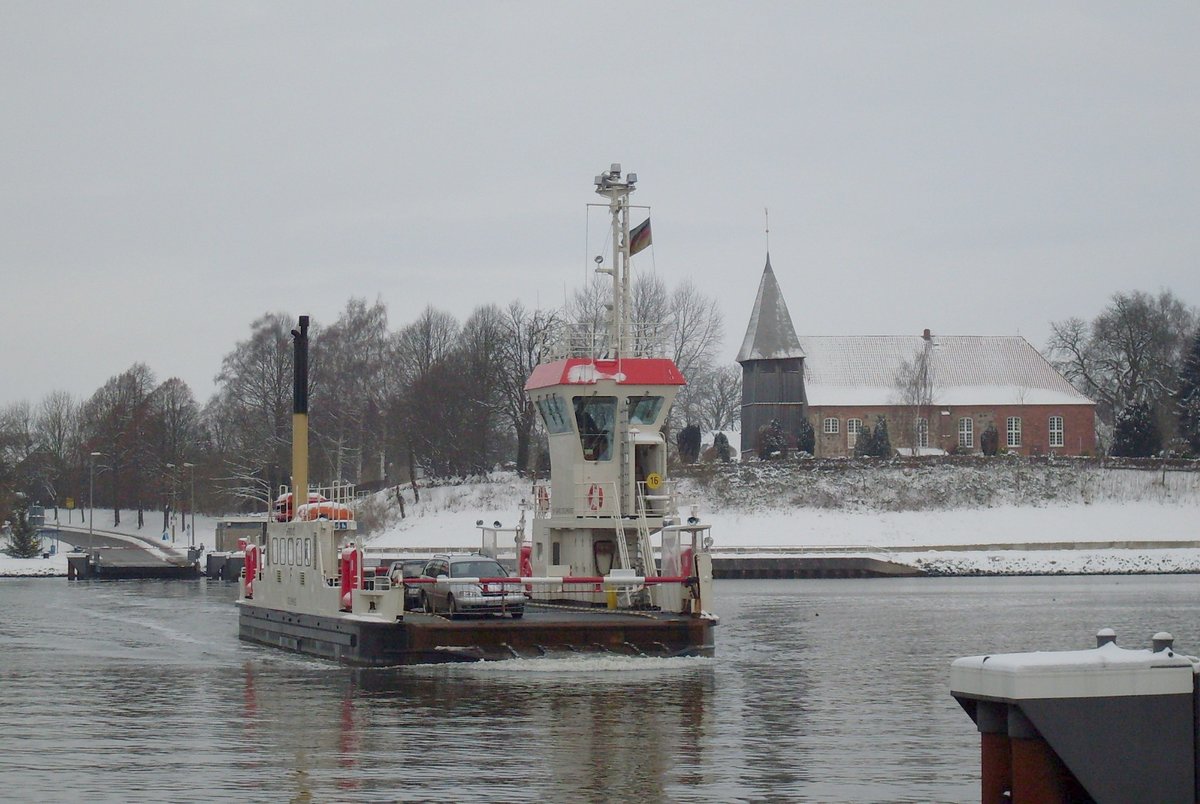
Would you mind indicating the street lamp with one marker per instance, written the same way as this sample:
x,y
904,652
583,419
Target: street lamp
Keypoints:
x,y
171,499
191,467
92,495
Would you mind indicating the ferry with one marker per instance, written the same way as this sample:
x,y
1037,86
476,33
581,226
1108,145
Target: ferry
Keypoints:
x,y
610,565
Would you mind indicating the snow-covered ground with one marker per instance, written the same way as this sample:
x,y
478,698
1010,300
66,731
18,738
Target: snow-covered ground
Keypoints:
x,y
1132,534
1129,525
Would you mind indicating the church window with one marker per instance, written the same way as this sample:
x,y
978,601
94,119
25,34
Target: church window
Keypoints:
x,y
1013,431
1056,431
853,428
966,432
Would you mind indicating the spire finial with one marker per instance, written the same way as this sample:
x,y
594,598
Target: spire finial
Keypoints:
x,y
767,226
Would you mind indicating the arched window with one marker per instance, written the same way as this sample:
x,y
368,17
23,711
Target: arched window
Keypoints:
x,y
853,428
1013,431
1057,438
966,432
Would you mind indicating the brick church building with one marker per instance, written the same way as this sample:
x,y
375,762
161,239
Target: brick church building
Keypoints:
x,y
938,393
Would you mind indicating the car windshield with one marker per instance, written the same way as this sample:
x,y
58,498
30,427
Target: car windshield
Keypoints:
x,y
412,569
476,569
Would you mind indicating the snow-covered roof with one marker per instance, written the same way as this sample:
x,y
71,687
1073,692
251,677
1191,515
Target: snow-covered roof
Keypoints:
x,y
966,370
770,334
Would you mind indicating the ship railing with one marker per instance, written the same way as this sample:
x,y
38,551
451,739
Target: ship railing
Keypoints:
x,y
619,589
565,583
492,536
661,500
640,339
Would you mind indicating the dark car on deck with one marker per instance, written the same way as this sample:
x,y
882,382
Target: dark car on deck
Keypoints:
x,y
408,568
458,589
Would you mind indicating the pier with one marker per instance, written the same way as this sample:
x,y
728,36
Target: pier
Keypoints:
x,y
111,555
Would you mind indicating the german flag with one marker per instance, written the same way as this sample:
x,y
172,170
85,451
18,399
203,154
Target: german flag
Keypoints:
x,y
639,237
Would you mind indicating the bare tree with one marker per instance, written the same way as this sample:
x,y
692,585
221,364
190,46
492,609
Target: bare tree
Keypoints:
x,y
352,357
529,334
249,417
915,381
718,397
117,421
423,343
1129,353
57,432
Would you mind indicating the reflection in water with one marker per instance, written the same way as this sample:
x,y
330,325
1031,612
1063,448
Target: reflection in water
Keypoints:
x,y
821,691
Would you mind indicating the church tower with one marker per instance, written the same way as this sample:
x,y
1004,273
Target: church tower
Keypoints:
x,y
772,366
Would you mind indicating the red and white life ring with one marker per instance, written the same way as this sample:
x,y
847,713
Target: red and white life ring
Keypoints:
x,y
595,497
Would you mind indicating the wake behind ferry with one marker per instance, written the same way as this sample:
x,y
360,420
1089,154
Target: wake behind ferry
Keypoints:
x,y
611,566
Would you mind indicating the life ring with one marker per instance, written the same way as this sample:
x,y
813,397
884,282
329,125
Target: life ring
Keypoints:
x,y
653,481
595,497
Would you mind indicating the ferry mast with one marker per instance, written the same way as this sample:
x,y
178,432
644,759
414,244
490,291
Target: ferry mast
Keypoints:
x,y
620,323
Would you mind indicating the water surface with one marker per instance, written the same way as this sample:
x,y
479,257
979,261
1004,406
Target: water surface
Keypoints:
x,y
821,691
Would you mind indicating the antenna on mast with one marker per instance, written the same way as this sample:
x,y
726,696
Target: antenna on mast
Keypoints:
x,y
617,190
767,224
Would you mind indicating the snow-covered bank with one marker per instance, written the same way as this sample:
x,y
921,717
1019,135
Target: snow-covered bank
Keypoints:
x,y
54,566
1121,520
1136,532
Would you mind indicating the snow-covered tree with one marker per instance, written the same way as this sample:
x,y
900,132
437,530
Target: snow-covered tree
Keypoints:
x,y
881,442
688,442
722,448
989,440
772,443
23,541
864,443
806,437
1136,434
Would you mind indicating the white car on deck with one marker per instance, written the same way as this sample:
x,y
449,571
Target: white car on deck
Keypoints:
x,y
457,587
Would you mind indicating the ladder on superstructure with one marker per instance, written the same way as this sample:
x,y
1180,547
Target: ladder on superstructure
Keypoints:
x,y
622,545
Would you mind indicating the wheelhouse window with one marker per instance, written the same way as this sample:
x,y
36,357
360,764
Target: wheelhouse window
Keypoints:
x,y
595,416
853,428
644,409
1056,431
922,432
966,432
1013,431
554,414
831,426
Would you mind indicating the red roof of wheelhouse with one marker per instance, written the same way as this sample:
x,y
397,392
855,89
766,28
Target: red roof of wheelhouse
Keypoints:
x,y
589,371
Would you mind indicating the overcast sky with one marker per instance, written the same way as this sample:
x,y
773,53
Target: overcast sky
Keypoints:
x,y
170,171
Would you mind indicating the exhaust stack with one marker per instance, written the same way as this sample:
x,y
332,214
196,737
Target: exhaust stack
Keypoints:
x,y
300,416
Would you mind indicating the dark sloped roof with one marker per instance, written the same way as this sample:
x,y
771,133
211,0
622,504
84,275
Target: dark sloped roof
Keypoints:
x,y
770,335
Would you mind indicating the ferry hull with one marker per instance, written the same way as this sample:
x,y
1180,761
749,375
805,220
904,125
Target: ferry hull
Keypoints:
x,y
426,639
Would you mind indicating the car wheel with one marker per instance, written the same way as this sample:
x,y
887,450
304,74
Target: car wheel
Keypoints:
x,y
518,613
427,603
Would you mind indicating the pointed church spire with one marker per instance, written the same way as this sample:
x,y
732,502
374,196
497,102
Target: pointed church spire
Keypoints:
x,y
770,335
